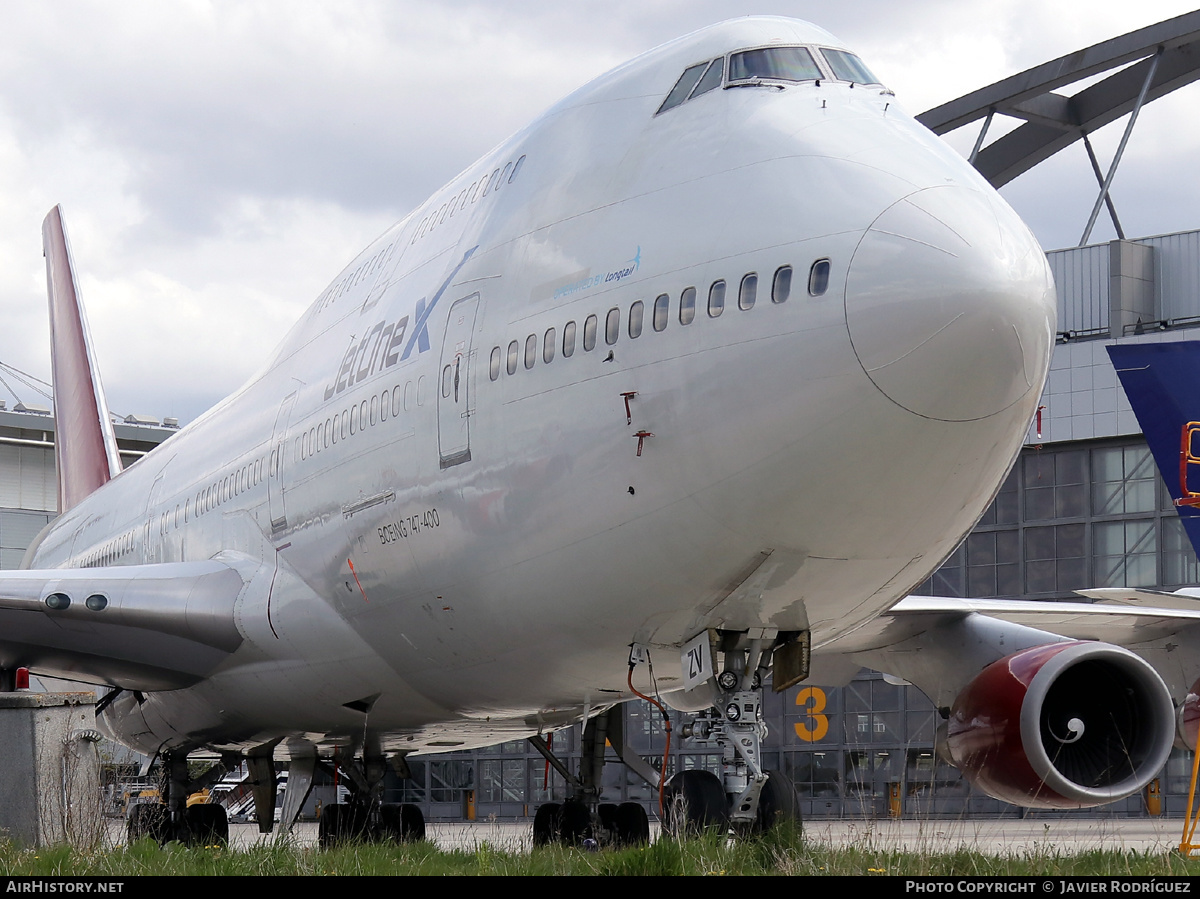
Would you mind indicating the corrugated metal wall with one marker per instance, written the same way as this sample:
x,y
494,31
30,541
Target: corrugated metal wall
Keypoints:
x,y
1177,273
27,478
1081,276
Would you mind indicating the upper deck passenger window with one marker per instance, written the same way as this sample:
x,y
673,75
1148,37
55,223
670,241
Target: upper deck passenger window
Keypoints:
x,y
848,67
683,87
774,64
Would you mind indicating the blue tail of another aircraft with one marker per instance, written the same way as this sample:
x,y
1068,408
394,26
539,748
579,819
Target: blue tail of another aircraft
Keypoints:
x,y
1162,381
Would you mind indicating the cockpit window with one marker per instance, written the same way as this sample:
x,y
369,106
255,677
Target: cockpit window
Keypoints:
x,y
848,67
683,87
774,64
711,79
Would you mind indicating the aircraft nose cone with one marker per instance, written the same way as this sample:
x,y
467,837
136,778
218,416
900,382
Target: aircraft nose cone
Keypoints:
x,y
950,305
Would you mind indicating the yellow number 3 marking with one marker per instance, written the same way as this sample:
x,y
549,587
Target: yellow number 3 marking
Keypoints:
x,y
812,700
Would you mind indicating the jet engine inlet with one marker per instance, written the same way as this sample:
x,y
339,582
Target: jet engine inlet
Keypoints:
x,y
1066,725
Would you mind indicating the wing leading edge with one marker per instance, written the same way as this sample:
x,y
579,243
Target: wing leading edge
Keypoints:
x,y
140,627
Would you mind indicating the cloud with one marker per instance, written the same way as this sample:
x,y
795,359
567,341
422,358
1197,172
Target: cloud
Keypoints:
x,y
219,163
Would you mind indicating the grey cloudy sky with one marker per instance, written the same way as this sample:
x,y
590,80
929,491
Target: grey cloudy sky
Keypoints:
x,y
219,163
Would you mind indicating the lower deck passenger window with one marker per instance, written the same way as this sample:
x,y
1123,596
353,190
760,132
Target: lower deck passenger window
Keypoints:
x,y
781,286
748,292
818,278
687,306
660,311
716,299
612,326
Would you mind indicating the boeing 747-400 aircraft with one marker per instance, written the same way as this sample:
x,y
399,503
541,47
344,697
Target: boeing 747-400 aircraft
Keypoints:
x,y
714,361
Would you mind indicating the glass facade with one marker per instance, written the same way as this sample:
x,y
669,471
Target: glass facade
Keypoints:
x,y
1070,517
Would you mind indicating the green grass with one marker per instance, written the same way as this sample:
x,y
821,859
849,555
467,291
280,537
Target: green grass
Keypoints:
x,y
783,853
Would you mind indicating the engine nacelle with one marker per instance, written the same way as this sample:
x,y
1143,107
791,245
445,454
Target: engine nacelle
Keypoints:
x,y
1065,725
1188,719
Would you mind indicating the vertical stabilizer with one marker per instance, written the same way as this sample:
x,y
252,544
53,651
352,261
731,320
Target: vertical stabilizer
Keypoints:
x,y
1162,381
85,447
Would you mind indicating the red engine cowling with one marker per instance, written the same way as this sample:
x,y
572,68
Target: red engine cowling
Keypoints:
x,y
1065,725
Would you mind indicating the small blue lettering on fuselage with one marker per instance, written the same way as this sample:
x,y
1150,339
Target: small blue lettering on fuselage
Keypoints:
x,y
627,268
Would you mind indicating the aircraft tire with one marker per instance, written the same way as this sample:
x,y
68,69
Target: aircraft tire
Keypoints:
x,y
338,824
413,822
147,819
402,823
694,801
575,824
207,824
607,813
777,803
632,825
546,823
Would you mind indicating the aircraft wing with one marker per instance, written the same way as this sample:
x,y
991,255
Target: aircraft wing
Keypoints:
x,y
141,627
908,640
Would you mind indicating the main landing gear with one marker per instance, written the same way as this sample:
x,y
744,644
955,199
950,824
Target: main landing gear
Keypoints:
x,y
366,817
583,819
172,819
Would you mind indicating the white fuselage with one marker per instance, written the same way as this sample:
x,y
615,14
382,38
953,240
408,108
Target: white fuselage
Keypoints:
x,y
811,460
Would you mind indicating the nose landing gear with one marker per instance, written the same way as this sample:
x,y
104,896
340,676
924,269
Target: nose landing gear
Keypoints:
x,y
745,796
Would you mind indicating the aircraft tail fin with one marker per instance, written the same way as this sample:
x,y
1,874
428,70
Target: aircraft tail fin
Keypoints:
x,y
1162,381
85,447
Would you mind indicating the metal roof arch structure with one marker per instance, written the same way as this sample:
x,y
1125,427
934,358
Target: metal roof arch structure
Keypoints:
x,y
1149,63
